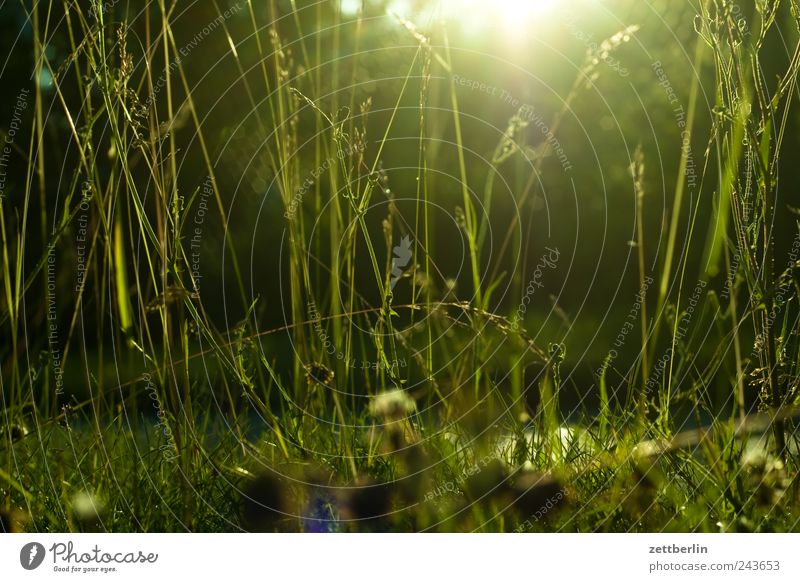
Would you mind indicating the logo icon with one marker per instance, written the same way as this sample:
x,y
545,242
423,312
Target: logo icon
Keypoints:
x,y
402,256
31,555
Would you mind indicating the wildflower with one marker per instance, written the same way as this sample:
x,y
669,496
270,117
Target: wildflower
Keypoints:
x,y
393,409
321,503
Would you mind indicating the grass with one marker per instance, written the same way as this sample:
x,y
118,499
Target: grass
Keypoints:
x,y
175,385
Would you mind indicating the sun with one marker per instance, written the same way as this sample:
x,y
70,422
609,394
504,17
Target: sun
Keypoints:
x,y
517,14
514,17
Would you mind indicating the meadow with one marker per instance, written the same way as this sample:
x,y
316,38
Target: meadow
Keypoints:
x,y
395,266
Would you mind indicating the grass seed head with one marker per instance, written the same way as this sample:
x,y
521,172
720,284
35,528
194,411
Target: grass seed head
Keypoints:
x,y
319,374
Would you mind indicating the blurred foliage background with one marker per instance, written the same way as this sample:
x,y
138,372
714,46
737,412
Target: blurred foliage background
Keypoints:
x,y
522,55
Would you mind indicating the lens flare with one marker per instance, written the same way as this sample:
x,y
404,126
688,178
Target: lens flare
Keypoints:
x,y
515,17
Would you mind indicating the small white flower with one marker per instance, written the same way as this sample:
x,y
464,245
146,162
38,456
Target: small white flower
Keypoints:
x,y
392,405
87,508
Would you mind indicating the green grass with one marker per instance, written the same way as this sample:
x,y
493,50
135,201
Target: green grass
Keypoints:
x,y
345,397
